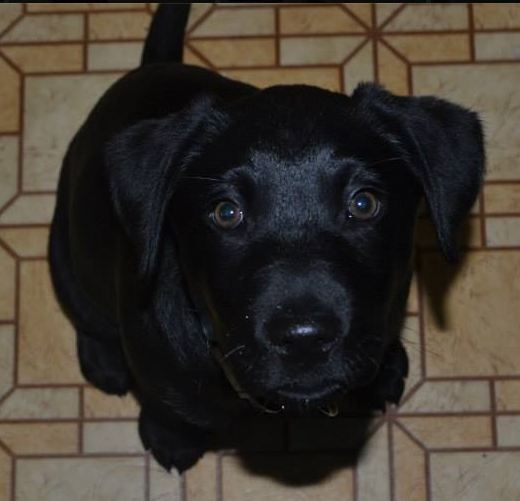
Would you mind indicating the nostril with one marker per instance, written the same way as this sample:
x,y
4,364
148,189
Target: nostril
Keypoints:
x,y
286,335
303,330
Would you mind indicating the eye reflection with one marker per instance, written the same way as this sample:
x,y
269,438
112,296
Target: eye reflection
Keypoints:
x,y
227,215
363,205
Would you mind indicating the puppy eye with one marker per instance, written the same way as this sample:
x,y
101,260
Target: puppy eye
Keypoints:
x,y
227,215
363,205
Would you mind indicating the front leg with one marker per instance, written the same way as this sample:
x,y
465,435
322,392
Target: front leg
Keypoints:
x,y
173,443
388,386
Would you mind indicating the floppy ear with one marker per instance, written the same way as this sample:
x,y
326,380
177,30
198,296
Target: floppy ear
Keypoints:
x,y
443,145
143,165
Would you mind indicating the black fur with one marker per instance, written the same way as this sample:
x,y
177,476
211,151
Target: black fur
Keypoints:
x,y
153,286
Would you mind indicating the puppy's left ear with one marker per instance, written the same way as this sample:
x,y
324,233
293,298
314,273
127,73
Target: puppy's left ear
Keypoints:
x,y
143,164
444,147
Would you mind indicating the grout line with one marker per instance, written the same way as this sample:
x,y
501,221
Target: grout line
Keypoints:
x,y
219,478
482,211
391,460
375,49
277,42
147,466
427,475
471,26
494,428
81,418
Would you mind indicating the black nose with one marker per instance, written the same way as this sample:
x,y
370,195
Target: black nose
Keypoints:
x,y
310,335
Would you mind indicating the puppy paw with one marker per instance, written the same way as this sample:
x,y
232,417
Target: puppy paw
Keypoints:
x,y
102,364
177,445
388,386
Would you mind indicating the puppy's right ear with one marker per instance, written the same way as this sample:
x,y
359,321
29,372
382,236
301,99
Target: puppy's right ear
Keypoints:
x,y
143,164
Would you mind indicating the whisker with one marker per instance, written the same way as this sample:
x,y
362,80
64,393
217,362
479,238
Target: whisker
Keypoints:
x,y
204,178
233,350
377,162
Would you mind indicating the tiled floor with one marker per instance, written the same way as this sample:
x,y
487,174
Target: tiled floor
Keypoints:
x,y
456,435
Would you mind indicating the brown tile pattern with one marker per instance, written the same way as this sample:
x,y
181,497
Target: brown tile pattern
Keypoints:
x,y
456,433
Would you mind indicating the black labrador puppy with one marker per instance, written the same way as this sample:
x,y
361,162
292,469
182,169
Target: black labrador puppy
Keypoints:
x,y
221,248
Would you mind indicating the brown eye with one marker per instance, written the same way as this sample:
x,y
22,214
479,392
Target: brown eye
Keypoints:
x,y
363,205
227,215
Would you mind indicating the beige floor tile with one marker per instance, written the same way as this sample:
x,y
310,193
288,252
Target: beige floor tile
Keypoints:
x,y
236,22
114,55
8,14
165,486
46,28
8,168
237,53
100,405
497,46
450,432
317,50
47,344
111,437
9,98
29,209
118,26
81,479
73,7
240,485
480,312
496,15
26,242
55,107
475,476
189,57
392,71
196,12
449,396
491,90
5,475
361,10
507,394
411,338
7,285
508,431
373,473
360,68
46,58
7,340
318,20
41,403
470,234
428,48
201,480
503,231
327,78
502,198
409,470
385,10
40,438
430,18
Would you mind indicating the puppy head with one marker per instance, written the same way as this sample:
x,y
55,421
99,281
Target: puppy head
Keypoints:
x,y
293,213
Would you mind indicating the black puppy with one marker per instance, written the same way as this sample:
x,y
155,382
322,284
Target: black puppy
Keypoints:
x,y
213,241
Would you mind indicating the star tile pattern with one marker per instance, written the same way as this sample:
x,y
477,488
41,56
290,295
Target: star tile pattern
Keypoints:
x,y
456,434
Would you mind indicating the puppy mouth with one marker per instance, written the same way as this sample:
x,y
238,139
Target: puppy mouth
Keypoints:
x,y
304,400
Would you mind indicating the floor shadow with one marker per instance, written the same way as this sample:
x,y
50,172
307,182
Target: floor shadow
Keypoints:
x,y
299,451
436,275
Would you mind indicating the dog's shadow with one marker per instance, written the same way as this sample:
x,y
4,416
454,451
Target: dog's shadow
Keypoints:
x,y
298,451
437,276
